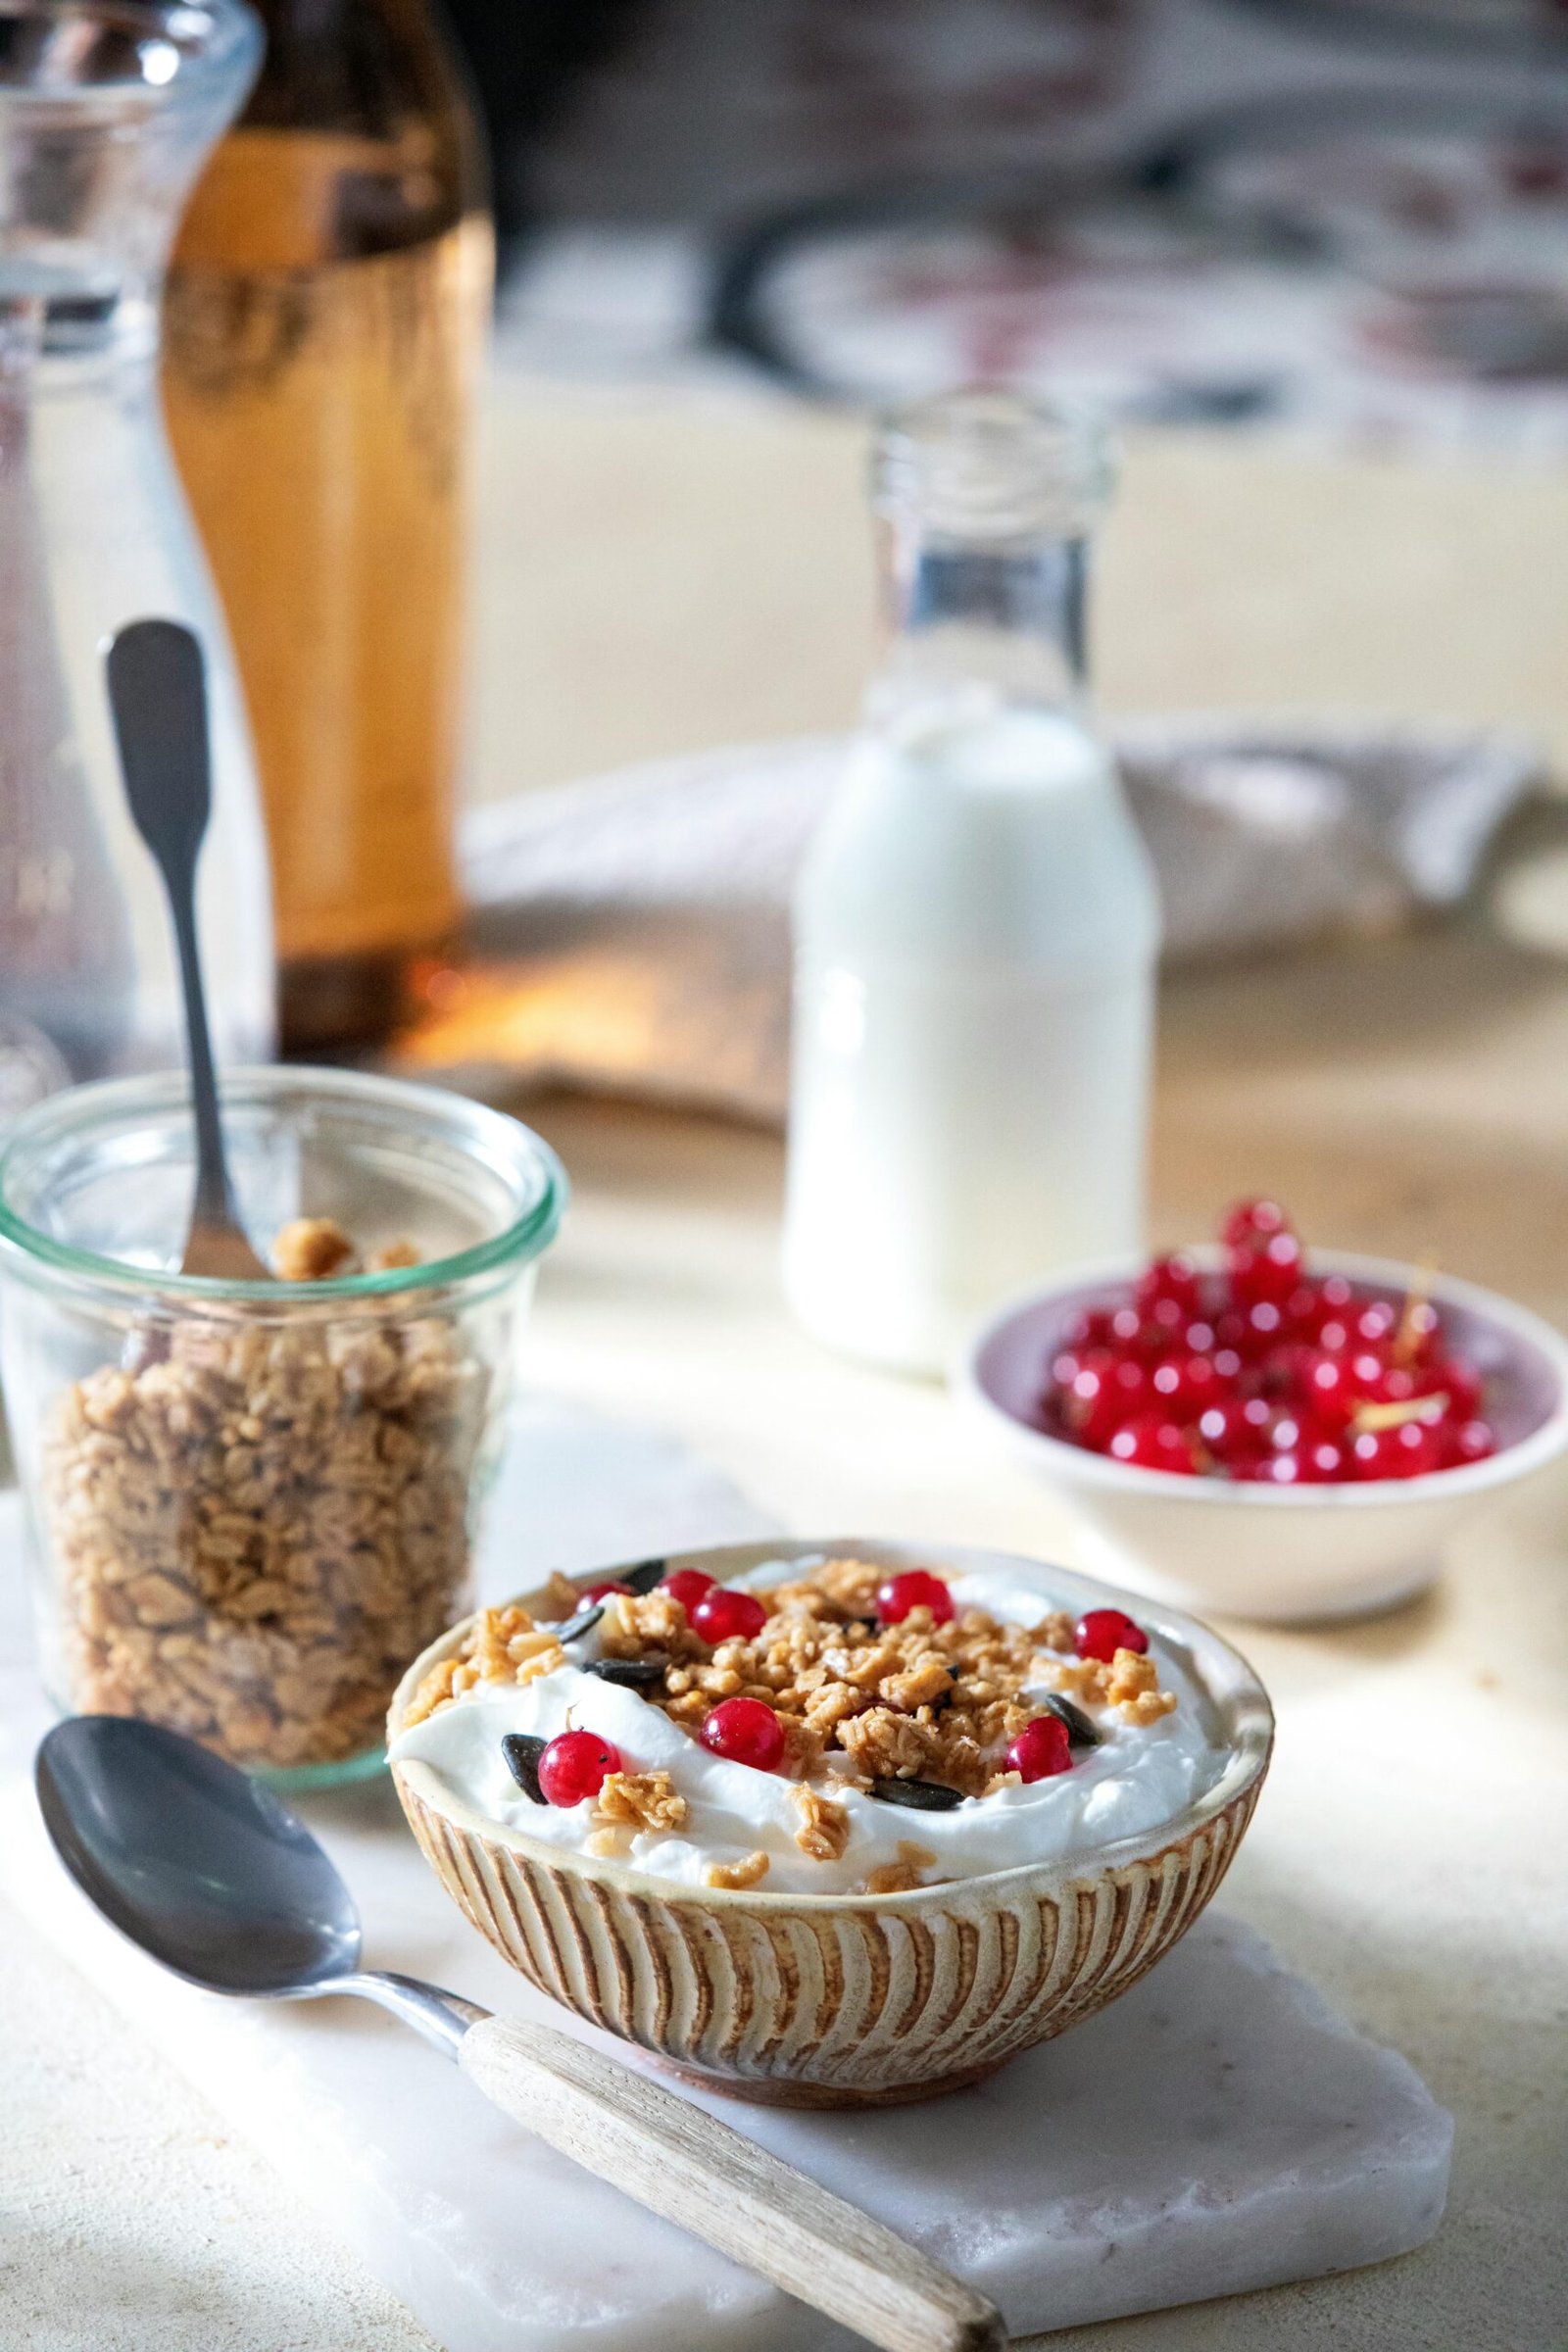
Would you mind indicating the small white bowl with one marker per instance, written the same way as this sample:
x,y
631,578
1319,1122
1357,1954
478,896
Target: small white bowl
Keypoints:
x,y
1276,1553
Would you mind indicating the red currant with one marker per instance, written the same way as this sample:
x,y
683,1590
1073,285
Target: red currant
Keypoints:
x,y
1151,1442
1311,1462
601,1586
727,1614
1253,1222
1171,1282
1041,1750
1090,1329
1472,1443
1329,1391
1231,1434
744,1730
914,1588
1186,1385
687,1585
1163,1328
1408,1452
1322,1461
1314,1306
1266,1275
576,1765
1418,1449
1101,1395
1369,1455
1445,1375
1101,1633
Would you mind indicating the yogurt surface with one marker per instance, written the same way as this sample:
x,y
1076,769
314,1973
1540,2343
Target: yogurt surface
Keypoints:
x,y
1140,1777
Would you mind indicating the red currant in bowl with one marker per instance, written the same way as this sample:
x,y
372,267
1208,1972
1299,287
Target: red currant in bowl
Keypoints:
x,y
576,1765
1042,1750
687,1585
1301,1450
744,1730
727,1614
915,1588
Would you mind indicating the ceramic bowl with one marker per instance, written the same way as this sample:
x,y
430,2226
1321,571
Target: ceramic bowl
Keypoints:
x,y
1276,1553
853,2000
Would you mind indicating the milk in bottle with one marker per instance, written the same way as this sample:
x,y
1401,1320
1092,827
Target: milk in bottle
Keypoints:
x,y
976,924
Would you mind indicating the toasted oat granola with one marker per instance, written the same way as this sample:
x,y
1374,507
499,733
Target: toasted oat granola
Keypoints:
x,y
255,1527
640,1800
902,1876
825,1830
737,1874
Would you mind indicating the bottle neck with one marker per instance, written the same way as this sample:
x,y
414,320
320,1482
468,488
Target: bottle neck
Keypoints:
x,y
991,622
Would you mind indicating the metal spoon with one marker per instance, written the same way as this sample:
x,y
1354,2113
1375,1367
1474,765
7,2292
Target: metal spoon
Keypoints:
x,y
158,694
209,1873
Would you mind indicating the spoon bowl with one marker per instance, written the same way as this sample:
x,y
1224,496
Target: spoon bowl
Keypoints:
x,y
193,1860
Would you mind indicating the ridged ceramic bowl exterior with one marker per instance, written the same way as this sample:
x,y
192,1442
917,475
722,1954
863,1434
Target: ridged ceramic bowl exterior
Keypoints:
x,y
847,2000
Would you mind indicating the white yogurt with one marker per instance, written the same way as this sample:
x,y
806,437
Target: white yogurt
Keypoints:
x,y
1137,1779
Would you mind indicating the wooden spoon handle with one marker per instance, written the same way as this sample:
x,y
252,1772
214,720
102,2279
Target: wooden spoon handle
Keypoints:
x,y
677,2160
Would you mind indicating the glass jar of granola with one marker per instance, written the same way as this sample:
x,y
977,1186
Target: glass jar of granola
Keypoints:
x,y
250,1504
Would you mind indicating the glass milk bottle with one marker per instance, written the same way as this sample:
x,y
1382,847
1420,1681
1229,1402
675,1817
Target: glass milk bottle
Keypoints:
x,y
976,925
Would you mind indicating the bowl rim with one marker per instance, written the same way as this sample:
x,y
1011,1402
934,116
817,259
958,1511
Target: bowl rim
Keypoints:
x,y
1077,1465
1227,1680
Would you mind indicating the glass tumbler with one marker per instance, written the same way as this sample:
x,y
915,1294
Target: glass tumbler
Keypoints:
x,y
250,1504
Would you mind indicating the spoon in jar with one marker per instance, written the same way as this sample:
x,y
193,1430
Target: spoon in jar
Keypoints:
x,y
158,695
205,1870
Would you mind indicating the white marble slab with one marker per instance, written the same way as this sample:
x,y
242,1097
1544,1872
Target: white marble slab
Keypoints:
x,y
1218,2129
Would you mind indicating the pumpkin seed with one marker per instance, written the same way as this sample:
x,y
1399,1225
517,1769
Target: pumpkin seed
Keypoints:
x,y
922,1796
583,1623
629,1674
1081,1733
522,1752
645,1576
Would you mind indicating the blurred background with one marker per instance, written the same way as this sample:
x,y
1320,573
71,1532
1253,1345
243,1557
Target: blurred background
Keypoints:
x,y
552,590
1311,254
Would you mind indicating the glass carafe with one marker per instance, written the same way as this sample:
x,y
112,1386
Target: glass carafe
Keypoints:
x,y
107,111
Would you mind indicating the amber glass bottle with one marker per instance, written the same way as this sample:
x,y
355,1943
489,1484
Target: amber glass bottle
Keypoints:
x,y
323,325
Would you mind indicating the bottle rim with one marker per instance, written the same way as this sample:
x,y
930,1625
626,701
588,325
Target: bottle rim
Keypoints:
x,y
993,464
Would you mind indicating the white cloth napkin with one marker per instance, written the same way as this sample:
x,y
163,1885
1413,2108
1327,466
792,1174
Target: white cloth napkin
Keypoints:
x,y
642,917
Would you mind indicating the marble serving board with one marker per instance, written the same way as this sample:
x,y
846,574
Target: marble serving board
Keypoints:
x,y
1218,2129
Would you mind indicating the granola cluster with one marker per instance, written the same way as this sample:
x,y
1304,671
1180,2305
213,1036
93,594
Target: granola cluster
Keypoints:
x,y
630,1802
915,1701
861,1702
255,1526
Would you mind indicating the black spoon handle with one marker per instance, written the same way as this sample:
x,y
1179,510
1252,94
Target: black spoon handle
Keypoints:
x,y
158,695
